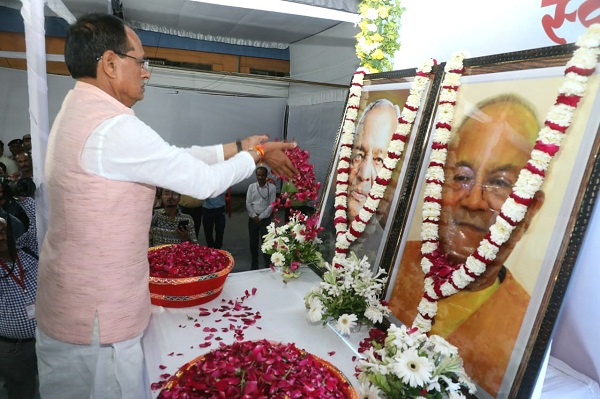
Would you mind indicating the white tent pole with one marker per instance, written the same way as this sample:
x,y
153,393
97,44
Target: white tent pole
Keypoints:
x,y
33,18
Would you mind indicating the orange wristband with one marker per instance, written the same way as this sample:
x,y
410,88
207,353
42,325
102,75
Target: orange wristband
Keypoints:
x,y
261,152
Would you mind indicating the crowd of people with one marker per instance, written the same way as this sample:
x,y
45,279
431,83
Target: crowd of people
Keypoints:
x,y
18,164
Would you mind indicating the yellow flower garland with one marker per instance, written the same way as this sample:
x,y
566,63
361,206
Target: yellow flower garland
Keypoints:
x,y
378,39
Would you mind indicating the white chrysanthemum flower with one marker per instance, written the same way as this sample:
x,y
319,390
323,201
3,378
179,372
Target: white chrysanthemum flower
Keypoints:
x,y
340,200
315,313
541,158
551,136
428,247
378,190
427,308
426,265
448,289
397,146
487,250
413,369
278,259
345,323
461,278
374,314
516,212
429,231
435,172
385,174
369,391
390,163
427,65
431,209
438,155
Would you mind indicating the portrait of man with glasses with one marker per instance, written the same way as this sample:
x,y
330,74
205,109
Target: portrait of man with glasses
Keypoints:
x,y
488,148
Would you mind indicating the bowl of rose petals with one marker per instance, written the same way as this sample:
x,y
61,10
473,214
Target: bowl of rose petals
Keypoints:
x,y
258,369
187,274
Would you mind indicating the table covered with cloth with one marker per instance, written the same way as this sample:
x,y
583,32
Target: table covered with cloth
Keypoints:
x,y
253,305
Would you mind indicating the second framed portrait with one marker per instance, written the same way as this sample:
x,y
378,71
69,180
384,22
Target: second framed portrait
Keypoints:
x,y
382,99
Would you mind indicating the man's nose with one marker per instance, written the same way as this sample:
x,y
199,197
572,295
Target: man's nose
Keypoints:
x,y
366,170
475,198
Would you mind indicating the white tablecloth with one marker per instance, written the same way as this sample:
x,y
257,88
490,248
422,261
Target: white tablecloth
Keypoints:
x,y
563,382
172,338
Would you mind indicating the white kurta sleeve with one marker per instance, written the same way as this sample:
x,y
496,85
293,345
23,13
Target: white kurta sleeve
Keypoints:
x,y
126,149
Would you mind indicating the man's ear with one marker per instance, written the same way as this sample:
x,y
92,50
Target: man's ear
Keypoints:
x,y
107,65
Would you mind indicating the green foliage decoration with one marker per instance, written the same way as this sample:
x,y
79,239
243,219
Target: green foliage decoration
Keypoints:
x,y
379,37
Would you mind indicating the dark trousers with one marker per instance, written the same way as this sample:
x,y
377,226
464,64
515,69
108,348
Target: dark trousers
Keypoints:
x,y
256,231
214,220
18,369
196,214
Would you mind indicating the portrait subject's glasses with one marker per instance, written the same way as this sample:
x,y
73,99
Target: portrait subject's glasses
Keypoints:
x,y
496,190
144,62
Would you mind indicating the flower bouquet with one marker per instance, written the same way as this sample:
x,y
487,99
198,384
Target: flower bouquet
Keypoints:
x,y
293,244
407,364
348,294
258,369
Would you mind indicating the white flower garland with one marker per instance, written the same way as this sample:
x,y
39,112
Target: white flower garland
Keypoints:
x,y
346,233
578,69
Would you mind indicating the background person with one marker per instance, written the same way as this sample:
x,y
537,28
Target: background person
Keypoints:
x,y
11,165
15,146
259,197
25,165
93,301
485,156
169,225
18,282
214,220
27,142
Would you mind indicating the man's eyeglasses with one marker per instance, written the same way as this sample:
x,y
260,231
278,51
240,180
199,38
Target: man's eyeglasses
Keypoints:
x,y
144,62
496,189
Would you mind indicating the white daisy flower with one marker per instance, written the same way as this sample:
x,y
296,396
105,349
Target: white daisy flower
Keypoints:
x,y
369,391
345,323
413,369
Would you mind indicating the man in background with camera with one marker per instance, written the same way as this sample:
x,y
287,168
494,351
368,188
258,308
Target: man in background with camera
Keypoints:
x,y
169,225
18,286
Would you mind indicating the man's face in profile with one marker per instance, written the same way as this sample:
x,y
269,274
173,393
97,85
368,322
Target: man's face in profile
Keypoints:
x,y
368,152
483,165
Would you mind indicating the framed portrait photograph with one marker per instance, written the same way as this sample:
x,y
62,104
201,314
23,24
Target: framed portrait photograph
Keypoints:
x,y
381,103
501,322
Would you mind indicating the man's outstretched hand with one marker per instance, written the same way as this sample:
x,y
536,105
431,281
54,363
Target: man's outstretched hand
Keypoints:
x,y
275,157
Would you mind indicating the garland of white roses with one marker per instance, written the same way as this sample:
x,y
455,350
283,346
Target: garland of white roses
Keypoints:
x,y
531,177
347,234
